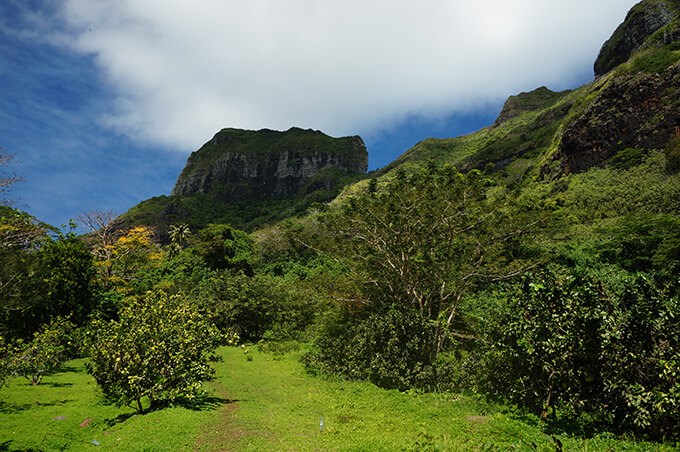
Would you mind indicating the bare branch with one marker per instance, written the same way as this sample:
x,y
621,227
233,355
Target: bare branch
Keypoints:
x,y
7,180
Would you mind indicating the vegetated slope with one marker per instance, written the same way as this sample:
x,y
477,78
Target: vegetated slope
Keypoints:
x,y
246,178
632,107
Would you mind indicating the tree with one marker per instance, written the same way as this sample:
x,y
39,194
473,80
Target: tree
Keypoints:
x,y
247,306
223,247
179,234
131,252
103,227
119,255
64,280
7,180
45,352
21,236
159,350
424,241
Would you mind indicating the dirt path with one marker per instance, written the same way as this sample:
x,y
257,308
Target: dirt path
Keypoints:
x,y
225,432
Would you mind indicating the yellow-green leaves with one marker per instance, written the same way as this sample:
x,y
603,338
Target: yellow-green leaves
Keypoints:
x,y
158,350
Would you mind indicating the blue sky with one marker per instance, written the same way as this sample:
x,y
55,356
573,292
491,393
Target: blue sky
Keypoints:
x,y
103,101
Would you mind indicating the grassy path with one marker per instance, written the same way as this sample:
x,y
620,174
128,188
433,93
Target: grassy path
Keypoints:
x,y
268,403
224,430
280,407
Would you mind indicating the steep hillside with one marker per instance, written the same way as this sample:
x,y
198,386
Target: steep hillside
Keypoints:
x,y
632,107
524,130
643,21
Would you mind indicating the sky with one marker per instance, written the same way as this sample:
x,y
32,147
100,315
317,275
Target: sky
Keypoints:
x,y
104,100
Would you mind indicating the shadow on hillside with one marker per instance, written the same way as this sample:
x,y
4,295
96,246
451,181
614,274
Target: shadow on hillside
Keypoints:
x,y
64,369
56,402
10,408
118,419
209,402
6,446
558,426
204,403
57,385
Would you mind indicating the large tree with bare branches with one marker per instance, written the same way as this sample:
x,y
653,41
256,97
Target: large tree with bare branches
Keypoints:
x,y
423,241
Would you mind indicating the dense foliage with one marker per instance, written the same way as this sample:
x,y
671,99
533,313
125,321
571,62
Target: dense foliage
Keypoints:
x,y
556,293
159,350
583,344
417,247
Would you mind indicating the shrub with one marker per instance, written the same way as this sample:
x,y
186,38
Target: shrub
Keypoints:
x,y
159,349
390,349
47,351
569,341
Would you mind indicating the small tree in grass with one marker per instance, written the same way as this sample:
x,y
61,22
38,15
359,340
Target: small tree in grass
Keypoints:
x,y
159,349
47,351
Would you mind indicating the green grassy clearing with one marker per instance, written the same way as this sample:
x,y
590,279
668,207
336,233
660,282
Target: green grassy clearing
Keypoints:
x,y
71,393
277,406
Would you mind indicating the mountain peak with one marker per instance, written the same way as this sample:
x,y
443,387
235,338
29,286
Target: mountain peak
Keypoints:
x,y
642,22
538,99
266,162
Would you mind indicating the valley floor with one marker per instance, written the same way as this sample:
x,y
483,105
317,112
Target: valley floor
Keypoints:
x,y
266,401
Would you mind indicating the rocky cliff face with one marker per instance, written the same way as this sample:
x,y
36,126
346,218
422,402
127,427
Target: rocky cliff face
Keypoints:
x,y
638,105
642,21
639,111
259,164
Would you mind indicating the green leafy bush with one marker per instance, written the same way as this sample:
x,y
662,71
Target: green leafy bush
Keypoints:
x,y
47,351
159,349
391,349
570,342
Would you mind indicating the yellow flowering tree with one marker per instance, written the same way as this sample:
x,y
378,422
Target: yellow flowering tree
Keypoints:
x,y
120,259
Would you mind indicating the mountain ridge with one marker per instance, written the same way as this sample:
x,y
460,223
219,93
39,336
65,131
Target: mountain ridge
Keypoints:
x,y
540,134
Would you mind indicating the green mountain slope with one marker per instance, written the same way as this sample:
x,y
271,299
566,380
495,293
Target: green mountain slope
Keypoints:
x,y
630,109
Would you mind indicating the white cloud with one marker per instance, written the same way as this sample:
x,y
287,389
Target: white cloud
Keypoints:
x,y
181,70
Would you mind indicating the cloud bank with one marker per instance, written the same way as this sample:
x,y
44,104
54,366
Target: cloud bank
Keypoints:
x,y
181,70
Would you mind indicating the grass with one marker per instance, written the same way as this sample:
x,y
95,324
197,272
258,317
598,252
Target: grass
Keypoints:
x,y
280,408
276,406
28,418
